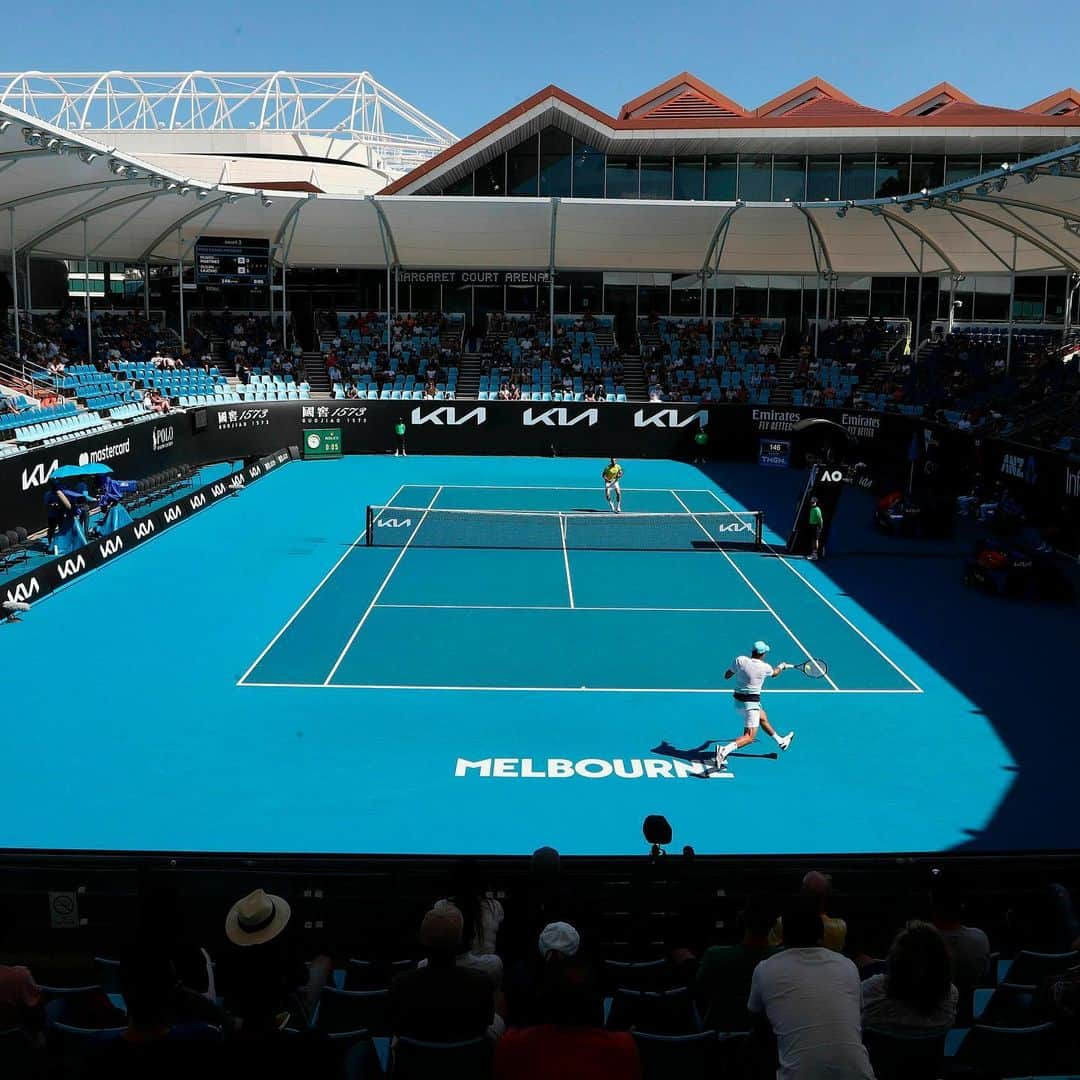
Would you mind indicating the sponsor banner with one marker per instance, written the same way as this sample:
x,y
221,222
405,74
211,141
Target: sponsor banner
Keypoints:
x,y
334,414
485,278
68,568
108,452
163,438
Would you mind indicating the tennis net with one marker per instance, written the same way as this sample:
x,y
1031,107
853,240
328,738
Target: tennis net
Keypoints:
x,y
398,526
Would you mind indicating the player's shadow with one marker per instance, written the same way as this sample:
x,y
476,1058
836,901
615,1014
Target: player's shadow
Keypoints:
x,y
975,649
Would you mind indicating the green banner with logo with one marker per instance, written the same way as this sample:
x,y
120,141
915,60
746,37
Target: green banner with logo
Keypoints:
x,y
322,442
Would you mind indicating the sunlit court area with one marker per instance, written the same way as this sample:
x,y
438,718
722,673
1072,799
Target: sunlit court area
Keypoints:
x,y
591,596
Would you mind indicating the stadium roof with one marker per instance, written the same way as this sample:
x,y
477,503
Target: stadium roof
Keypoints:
x,y
67,195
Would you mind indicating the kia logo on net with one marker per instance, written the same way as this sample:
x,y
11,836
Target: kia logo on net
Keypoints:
x,y
111,547
669,418
197,502
71,567
38,475
143,529
560,417
173,514
448,415
22,592
218,490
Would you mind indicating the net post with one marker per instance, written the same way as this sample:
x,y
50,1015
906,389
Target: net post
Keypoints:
x,y
758,523
370,532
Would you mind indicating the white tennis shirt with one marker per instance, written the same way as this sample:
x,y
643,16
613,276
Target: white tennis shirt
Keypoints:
x,y
750,673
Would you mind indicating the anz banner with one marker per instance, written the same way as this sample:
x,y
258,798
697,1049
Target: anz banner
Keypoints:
x,y
46,578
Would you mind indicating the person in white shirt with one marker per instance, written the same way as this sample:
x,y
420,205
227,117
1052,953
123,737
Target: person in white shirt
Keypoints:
x,y
811,997
750,673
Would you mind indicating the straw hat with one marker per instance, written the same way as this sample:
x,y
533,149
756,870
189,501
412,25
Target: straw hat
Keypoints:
x,y
257,919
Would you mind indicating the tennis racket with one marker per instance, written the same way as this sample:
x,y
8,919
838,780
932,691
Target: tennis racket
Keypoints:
x,y
812,668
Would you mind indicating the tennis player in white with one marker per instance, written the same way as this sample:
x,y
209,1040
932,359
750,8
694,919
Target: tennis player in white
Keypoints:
x,y
750,673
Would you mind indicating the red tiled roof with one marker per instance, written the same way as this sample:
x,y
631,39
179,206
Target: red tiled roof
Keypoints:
x,y
828,110
815,86
686,103
684,95
920,101
1068,97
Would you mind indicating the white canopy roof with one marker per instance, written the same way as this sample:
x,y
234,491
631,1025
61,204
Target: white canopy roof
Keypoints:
x,y
69,197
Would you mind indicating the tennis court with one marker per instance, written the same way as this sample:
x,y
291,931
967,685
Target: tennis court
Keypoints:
x,y
509,664
545,589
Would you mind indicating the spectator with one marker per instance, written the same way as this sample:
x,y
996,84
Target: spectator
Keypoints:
x,y
442,1002
818,888
723,977
21,1003
567,1041
916,994
810,996
968,947
152,1044
482,914
262,971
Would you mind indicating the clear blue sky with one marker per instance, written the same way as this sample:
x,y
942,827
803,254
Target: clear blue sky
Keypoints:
x,y
465,62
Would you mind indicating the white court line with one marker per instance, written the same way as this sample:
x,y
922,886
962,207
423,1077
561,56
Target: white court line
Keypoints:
x,y
385,582
309,598
566,559
563,607
538,487
824,599
753,589
554,689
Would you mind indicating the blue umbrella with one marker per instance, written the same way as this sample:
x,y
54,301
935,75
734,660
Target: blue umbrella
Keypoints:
x,y
65,472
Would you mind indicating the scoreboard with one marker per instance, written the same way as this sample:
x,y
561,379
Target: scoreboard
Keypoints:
x,y
775,453
232,260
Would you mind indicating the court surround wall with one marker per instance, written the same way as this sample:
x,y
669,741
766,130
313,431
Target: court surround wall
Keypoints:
x,y
887,441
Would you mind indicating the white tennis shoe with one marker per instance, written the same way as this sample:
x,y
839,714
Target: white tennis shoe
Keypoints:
x,y
785,742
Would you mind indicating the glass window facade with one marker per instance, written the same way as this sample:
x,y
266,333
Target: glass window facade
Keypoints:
x,y
656,177
621,177
755,177
960,168
856,177
556,162
689,178
721,178
893,175
789,179
588,179
822,179
522,168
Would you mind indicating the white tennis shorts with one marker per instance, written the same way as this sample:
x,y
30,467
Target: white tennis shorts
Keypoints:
x,y
750,711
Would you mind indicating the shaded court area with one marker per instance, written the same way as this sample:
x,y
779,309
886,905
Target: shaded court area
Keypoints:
x,y
540,681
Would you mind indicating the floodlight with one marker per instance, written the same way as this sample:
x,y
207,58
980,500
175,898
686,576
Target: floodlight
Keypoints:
x,y
955,196
185,190
267,202
841,212
4,125
52,143
118,167
908,207
983,189
1030,176
87,156
202,193
1001,183
924,191
33,138
232,200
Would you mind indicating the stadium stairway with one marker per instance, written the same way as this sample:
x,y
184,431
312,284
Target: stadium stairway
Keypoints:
x,y
315,373
780,394
634,379
468,380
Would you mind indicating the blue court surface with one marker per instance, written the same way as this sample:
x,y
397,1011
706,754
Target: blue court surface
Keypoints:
x,y
261,679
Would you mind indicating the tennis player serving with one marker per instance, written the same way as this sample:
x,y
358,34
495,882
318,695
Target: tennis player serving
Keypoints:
x,y
750,673
612,474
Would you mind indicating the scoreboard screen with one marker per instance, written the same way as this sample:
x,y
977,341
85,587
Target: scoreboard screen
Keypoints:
x,y
232,260
775,453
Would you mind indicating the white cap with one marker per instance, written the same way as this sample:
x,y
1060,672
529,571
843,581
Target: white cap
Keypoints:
x,y
559,937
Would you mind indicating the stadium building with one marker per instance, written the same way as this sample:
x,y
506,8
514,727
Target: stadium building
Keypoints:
x,y
372,498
